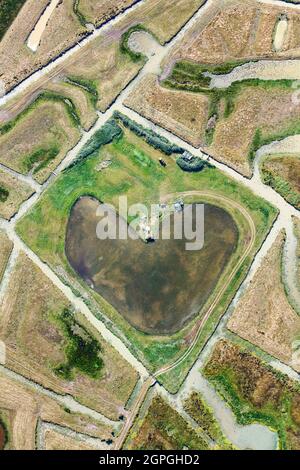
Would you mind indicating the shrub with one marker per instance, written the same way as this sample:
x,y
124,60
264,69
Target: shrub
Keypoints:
x,y
153,139
4,193
107,134
193,165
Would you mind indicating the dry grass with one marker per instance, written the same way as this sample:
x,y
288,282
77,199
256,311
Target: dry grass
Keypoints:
x,y
100,11
80,99
22,406
183,113
255,107
61,32
47,125
54,440
264,316
282,172
238,30
18,193
35,343
6,247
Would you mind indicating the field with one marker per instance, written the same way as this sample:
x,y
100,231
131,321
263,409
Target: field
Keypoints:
x,y
256,392
22,407
8,11
201,413
99,11
163,429
12,193
135,172
39,137
264,316
53,346
54,440
238,30
231,123
63,30
282,173
6,247
297,233
165,107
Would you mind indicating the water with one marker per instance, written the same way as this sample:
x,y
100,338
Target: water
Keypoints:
x,y
159,286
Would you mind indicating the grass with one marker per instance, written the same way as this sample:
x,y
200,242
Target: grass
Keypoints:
x,y
135,171
255,391
82,351
40,158
4,193
164,429
8,12
90,86
46,96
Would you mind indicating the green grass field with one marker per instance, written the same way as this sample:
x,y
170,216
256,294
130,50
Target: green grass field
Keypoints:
x,y
135,171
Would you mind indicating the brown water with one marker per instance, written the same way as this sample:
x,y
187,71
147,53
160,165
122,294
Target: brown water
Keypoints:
x,y
158,286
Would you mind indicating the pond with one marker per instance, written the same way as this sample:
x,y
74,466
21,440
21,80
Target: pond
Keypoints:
x,y
157,287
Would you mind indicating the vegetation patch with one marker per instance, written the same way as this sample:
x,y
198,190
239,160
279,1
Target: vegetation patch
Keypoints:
x,y
164,429
192,164
281,172
203,415
8,11
124,47
4,193
83,353
256,392
90,86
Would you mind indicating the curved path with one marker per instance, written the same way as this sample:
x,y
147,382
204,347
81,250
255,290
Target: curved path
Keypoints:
x,y
220,294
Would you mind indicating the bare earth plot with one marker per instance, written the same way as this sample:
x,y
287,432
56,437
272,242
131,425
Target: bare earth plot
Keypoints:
x,y
38,138
12,193
6,247
21,407
264,316
47,343
256,392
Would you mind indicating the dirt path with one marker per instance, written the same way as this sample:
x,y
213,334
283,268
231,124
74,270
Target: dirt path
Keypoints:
x,y
35,36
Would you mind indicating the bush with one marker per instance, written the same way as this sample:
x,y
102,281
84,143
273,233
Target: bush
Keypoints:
x,y
4,193
193,165
107,134
153,139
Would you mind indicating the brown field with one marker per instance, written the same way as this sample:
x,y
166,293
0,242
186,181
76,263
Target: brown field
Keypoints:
x,y
163,17
183,113
44,126
79,97
238,30
36,343
6,247
297,233
54,440
100,11
21,407
17,61
163,429
256,392
18,193
264,316
255,107
282,172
